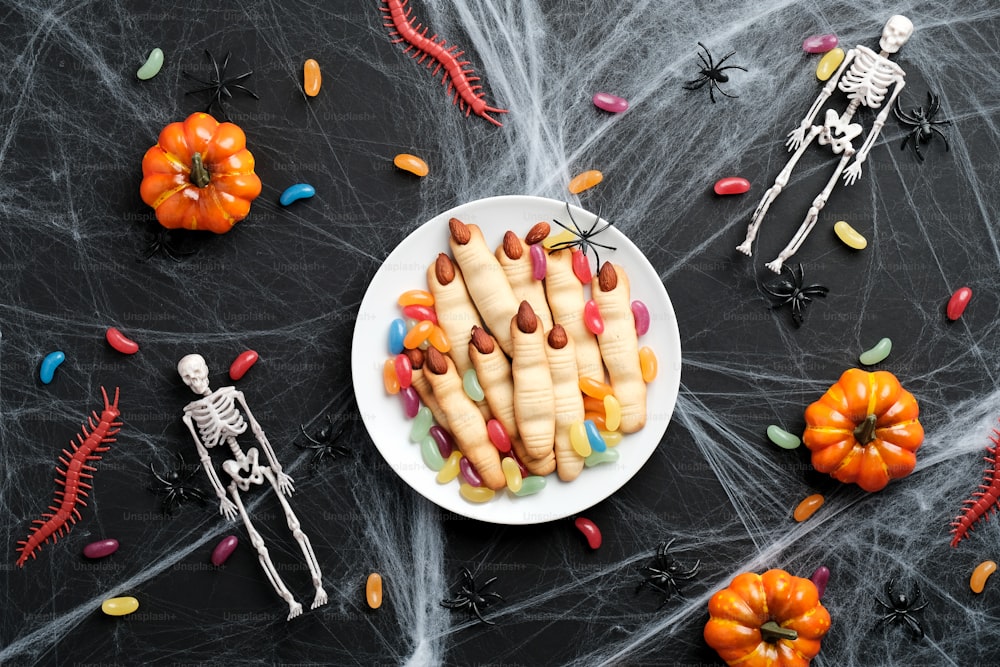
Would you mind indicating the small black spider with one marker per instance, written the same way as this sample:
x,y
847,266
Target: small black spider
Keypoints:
x,y
664,572
220,85
901,608
324,443
792,291
473,598
173,486
713,74
161,243
583,239
922,123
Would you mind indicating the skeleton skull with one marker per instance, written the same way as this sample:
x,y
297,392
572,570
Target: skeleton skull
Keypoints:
x,y
194,371
897,30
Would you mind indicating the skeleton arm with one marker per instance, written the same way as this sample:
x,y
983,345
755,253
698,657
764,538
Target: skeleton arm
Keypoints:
x,y
853,172
226,506
284,481
797,136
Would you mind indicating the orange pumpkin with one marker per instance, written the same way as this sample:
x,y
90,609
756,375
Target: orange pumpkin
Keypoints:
x,y
200,175
767,620
864,430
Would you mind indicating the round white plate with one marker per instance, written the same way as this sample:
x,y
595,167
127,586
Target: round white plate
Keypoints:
x,y
406,268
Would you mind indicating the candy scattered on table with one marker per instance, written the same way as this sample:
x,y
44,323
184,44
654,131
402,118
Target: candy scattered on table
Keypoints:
x,y
640,313
469,472
597,443
49,365
612,414
418,334
119,606
539,262
876,354
416,297
610,103
152,66
312,77
100,549
430,453
410,399
598,458
224,549
476,494
243,362
530,485
958,303
451,468
404,370
585,181
782,438
829,63
819,43
421,427
578,439
397,334
498,436
820,578
389,378
120,342
592,318
808,507
851,237
581,267
512,474
590,531
979,576
293,193
373,590
731,185
647,364
411,163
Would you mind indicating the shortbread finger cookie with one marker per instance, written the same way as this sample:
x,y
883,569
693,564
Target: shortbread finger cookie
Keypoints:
x,y
565,296
453,306
423,387
484,279
514,256
466,423
620,345
561,354
534,402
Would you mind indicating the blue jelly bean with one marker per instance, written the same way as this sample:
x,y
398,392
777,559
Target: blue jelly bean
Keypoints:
x,y
594,436
49,365
397,332
296,192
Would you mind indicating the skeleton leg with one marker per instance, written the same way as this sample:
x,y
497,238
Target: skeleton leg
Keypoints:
x,y
772,193
812,216
302,539
294,608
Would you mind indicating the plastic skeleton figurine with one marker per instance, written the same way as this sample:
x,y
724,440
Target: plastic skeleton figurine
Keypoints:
x,y
215,420
866,77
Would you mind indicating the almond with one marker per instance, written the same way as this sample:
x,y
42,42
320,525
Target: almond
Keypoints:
x,y
607,279
416,357
436,361
558,337
537,233
527,322
444,270
482,341
512,245
459,231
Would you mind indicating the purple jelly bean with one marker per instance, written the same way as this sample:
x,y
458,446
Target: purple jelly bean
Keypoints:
x,y
641,316
224,549
820,43
100,549
539,265
820,577
411,401
445,443
609,102
469,472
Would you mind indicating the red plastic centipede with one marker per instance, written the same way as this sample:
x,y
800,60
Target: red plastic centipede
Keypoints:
x,y
984,501
423,47
75,469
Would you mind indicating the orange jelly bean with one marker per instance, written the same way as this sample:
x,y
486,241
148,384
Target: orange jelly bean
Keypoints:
x,y
389,377
595,405
599,421
418,334
647,363
808,507
585,181
439,339
411,163
312,77
373,590
416,297
595,389
979,576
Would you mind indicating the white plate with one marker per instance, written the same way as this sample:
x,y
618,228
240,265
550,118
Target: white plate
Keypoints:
x,y
406,267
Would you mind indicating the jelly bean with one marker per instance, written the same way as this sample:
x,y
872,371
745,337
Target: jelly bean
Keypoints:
x,y
152,66
476,494
450,469
512,474
224,549
411,401
581,268
430,453
120,341
445,443
242,363
312,78
589,530
416,297
119,606
782,438
418,334
404,370
979,576
411,163
469,472
389,378
592,318
597,458
565,236
819,43
520,466
731,185
531,485
421,427
397,334
851,237
439,339
647,364
595,405
49,365
498,435
877,354
641,316
820,578
420,313
470,383
100,549
585,181
829,63
611,438
610,103
373,590
594,436
612,413
578,439
957,303
597,418
539,263
293,193
593,388
808,507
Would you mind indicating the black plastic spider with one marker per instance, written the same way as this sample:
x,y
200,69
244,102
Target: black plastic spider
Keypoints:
x,y
162,243
713,74
901,608
583,239
664,573
220,85
922,123
324,444
473,598
791,291
173,486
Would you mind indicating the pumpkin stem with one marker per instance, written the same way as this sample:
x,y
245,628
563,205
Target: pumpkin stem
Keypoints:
x,y
199,174
772,632
865,432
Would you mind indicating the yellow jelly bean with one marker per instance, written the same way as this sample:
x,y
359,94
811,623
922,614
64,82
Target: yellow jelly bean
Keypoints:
x,y
416,297
808,507
419,334
979,576
564,236
512,474
389,377
119,606
373,590
851,237
411,163
595,389
439,339
477,494
579,440
585,181
829,63
647,364
611,438
612,413
451,468
312,77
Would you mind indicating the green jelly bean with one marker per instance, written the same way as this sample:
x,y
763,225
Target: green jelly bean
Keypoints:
x,y
531,485
152,65
782,438
432,455
421,424
877,354
597,458
470,382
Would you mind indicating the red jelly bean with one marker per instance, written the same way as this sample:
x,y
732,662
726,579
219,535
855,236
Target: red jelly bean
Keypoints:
x,y
420,313
819,43
404,370
592,318
498,435
411,401
957,303
590,531
242,364
469,472
100,549
731,185
120,341
610,103
581,267
520,466
224,549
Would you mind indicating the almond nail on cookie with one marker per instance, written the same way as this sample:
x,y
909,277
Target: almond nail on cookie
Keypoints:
x,y
561,353
534,402
515,259
620,345
566,299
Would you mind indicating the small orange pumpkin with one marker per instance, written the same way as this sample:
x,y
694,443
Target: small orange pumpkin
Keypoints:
x,y
200,175
773,619
864,430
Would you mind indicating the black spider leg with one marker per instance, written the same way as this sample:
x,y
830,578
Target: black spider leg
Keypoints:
x,y
220,85
905,614
469,598
175,491
695,84
719,70
162,243
583,240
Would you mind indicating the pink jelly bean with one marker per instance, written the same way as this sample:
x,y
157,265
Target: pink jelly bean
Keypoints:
x,y
420,313
610,103
641,316
242,364
523,468
820,577
469,472
731,185
445,443
957,303
224,549
100,549
581,267
498,434
411,401
820,43
539,264
592,318
404,370
590,531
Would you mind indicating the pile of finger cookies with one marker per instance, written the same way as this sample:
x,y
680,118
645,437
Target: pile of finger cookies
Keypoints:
x,y
522,375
